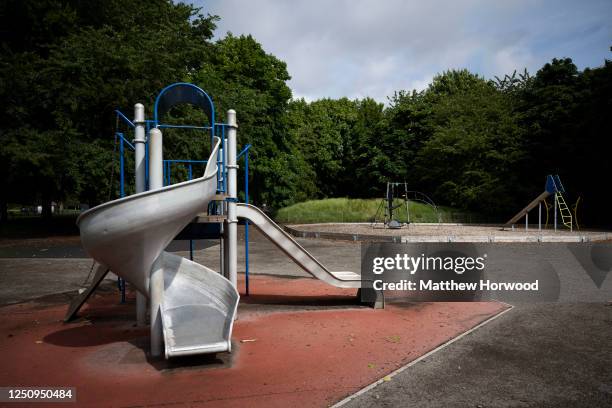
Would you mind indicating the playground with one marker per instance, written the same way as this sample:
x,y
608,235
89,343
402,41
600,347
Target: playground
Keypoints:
x,y
186,294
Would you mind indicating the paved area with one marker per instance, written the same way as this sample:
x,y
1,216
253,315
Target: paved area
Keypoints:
x,y
443,232
60,265
540,355
312,348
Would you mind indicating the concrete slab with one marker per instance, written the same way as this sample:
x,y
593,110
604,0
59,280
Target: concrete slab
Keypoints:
x,y
442,232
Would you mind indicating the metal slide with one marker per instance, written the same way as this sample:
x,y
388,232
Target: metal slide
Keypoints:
x,y
128,235
298,254
528,208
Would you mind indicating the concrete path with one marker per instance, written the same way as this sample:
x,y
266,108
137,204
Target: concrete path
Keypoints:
x,y
539,355
35,268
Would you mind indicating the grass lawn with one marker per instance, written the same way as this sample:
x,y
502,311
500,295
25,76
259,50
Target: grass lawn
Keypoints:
x,y
365,210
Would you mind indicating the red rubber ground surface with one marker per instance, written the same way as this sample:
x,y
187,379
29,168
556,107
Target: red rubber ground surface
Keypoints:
x,y
302,354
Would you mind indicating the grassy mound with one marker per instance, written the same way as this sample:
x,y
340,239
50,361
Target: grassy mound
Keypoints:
x,y
362,210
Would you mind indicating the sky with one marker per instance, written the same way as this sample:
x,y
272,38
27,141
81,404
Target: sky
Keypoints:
x,y
371,48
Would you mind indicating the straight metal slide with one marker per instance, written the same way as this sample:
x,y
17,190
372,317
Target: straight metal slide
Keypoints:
x,y
299,254
528,208
128,236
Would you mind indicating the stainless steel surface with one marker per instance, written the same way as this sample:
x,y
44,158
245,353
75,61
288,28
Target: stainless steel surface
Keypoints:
x,y
192,327
232,191
128,235
84,293
294,250
156,277
140,184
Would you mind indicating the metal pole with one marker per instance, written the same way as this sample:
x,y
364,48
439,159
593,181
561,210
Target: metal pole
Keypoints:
x,y
232,220
555,211
120,280
406,202
156,282
527,222
121,167
540,216
140,170
222,263
224,160
147,159
139,148
246,222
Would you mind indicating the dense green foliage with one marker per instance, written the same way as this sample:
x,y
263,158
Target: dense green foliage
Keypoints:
x,y
469,142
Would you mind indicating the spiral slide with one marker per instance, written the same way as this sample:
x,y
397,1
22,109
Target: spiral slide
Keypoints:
x,y
128,236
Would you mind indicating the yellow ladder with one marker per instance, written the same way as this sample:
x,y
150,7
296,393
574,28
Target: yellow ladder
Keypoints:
x,y
566,214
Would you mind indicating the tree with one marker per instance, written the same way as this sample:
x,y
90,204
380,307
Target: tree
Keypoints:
x,y
474,147
240,75
566,116
70,64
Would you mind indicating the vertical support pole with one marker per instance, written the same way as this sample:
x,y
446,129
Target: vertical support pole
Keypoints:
x,y
555,211
121,166
156,281
147,160
246,222
140,171
527,222
189,177
232,220
224,164
139,148
120,280
222,263
540,216
224,160
221,169
406,202
225,249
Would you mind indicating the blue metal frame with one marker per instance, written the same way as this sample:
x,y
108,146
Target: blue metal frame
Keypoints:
x,y
245,152
168,169
125,118
553,184
214,128
196,89
122,142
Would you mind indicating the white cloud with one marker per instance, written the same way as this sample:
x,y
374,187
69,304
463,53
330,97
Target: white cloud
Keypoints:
x,y
360,48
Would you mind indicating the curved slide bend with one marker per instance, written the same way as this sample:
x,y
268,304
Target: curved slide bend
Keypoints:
x,y
300,255
128,235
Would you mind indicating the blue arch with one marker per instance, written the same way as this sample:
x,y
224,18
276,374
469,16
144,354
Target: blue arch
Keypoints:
x,y
183,92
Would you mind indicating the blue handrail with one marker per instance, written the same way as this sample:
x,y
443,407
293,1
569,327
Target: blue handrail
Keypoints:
x,y
167,126
122,116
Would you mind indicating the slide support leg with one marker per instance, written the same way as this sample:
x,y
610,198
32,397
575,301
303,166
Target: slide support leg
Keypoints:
x,y
156,281
232,219
140,172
